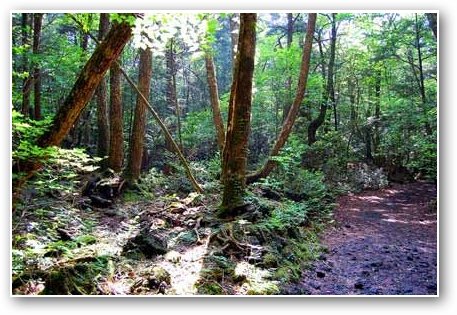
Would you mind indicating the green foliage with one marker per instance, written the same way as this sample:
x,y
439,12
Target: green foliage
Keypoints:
x,y
290,215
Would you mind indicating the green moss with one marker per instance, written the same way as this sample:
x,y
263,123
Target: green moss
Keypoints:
x,y
270,260
86,239
210,288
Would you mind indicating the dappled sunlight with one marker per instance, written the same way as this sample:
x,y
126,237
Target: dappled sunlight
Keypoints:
x,y
186,272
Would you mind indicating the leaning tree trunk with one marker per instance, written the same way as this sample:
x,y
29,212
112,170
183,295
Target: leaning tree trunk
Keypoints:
x,y
291,116
132,173
88,80
37,23
79,96
236,143
212,85
116,150
102,116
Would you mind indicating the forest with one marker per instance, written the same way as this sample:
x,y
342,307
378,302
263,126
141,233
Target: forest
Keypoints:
x,y
224,153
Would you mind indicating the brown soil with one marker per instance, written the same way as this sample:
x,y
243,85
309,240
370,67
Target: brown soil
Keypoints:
x,y
384,243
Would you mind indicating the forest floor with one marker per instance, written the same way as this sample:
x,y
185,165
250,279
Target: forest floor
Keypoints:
x,y
384,243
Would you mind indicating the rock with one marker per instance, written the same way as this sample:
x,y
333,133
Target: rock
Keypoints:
x,y
100,202
64,235
358,285
148,243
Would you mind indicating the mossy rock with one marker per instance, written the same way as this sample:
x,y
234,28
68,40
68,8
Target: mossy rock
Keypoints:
x,y
148,243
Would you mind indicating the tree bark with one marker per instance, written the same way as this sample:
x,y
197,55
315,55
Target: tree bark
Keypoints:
x,y
214,95
37,23
236,143
133,170
292,115
116,151
102,117
329,88
27,82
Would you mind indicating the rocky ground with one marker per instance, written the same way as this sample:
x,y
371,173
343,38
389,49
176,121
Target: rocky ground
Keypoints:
x,y
384,243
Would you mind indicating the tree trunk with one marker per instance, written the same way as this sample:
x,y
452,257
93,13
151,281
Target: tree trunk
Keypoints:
x,y
116,151
236,143
214,95
102,117
329,88
37,23
27,83
133,170
292,115
432,20
290,36
79,96
428,129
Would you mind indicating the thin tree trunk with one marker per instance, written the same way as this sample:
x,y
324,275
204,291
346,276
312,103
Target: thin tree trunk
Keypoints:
x,y
133,170
37,23
102,104
116,151
329,89
292,115
214,95
236,143
428,129
290,36
27,83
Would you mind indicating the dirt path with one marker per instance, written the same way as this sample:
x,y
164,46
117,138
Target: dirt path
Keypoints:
x,y
385,243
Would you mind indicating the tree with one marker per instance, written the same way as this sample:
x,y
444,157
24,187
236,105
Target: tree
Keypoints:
x,y
102,116
26,25
292,114
88,80
37,23
214,96
238,126
83,89
116,146
132,173
329,92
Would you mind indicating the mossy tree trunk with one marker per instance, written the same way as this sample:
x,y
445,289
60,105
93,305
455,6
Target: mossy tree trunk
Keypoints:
x,y
292,115
132,173
238,127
